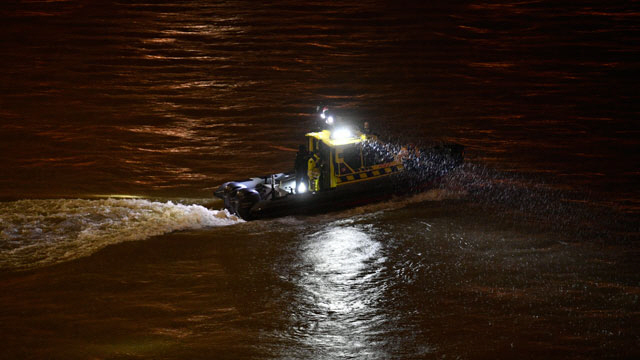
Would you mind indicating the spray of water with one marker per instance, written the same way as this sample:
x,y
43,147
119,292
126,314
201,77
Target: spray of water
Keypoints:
x,y
509,195
517,196
43,232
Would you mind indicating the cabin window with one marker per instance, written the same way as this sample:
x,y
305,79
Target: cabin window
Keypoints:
x,y
323,151
352,156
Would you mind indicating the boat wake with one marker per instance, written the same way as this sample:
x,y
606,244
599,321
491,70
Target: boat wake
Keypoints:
x,y
36,233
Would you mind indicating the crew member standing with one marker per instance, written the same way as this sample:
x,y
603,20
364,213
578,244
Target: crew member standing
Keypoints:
x,y
314,171
365,129
301,167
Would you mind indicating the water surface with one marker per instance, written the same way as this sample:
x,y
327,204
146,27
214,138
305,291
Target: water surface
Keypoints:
x,y
119,119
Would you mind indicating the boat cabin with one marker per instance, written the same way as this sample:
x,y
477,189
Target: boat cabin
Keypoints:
x,y
340,157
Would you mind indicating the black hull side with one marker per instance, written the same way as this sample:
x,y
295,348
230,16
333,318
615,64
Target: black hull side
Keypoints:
x,y
241,198
344,197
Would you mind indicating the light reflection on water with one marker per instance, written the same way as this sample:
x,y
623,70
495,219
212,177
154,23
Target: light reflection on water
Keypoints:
x,y
342,289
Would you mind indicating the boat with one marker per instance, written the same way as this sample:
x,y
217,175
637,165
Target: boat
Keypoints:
x,y
338,168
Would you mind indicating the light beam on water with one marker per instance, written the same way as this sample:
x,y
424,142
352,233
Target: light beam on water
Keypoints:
x,y
342,289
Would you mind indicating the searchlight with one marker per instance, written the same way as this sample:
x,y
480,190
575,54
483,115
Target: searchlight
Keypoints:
x,y
330,120
341,134
302,188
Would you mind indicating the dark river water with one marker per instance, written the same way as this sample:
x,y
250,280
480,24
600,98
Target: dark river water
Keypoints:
x,y
119,118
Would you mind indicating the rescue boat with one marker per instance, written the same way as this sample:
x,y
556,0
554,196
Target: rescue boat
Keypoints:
x,y
336,169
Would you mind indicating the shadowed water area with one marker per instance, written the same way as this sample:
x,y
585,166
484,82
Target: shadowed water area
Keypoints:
x,y
118,119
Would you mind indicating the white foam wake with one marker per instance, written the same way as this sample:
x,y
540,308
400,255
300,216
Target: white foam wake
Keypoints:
x,y
43,232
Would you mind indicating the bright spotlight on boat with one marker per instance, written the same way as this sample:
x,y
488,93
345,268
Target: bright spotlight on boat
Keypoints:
x,y
330,120
341,134
302,188
323,116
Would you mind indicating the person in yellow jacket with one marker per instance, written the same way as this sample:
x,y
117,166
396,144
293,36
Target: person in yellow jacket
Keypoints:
x,y
314,167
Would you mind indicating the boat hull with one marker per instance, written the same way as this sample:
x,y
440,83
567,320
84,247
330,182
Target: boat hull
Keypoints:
x,y
263,197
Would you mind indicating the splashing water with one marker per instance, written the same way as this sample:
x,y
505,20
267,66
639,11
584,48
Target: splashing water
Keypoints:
x,y
44,232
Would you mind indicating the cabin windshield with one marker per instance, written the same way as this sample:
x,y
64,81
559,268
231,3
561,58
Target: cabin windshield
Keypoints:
x,y
352,156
